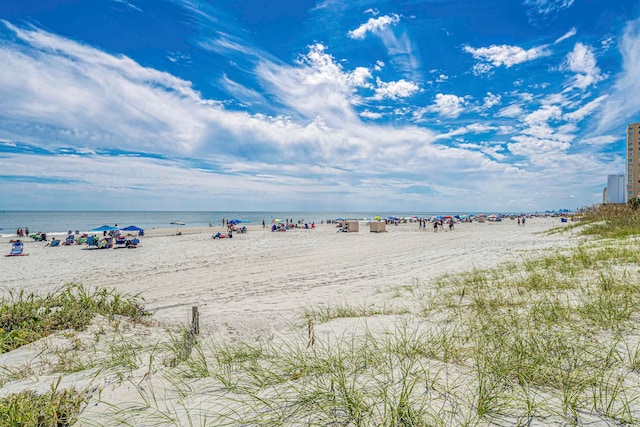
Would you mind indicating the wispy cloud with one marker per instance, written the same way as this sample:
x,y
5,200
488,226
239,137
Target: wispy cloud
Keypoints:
x,y
582,61
374,25
572,32
546,7
399,45
505,55
128,4
624,101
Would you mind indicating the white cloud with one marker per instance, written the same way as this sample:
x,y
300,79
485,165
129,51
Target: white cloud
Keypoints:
x,y
506,55
371,115
448,105
442,78
491,101
395,90
399,46
572,32
586,110
546,7
374,25
607,42
536,148
481,68
543,115
624,101
129,5
582,61
601,140
317,87
513,110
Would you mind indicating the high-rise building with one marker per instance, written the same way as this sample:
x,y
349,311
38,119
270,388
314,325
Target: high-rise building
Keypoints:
x,y
615,189
633,160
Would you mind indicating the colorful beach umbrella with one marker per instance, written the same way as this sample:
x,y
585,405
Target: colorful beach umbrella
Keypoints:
x,y
277,220
377,218
237,221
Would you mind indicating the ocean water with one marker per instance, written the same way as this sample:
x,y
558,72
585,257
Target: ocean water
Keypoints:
x,y
59,222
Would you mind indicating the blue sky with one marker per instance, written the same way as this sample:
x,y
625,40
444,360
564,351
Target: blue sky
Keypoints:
x,y
459,105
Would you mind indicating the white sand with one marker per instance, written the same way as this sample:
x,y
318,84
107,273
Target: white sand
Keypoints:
x,y
254,284
263,280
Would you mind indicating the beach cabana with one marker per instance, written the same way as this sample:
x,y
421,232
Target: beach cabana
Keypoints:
x,y
134,228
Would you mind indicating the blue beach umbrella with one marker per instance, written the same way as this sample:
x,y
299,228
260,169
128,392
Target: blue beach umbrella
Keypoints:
x,y
105,228
132,228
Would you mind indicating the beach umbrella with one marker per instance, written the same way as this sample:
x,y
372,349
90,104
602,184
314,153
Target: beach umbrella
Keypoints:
x,y
340,219
377,218
177,223
132,228
105,228
238,221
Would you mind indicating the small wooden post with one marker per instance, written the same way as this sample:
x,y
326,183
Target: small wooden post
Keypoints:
x,y
195,320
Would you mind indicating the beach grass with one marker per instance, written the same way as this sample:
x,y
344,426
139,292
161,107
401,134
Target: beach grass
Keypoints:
x,y
28,317
612,221
52,409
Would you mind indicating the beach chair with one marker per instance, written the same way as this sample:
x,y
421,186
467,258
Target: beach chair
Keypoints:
x,y
121,241
133,243
55,242
17,249
92,241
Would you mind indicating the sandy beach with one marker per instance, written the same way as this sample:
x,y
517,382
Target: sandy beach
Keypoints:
x,y
263,280
252,286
